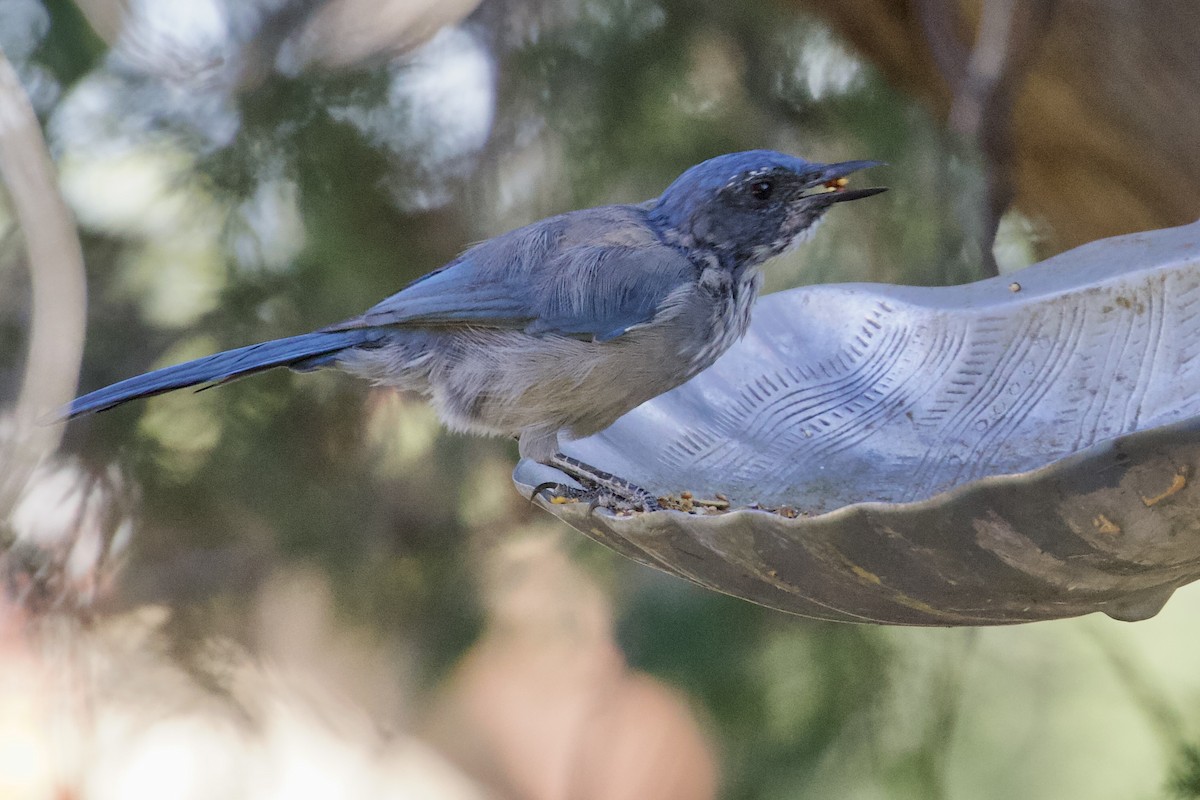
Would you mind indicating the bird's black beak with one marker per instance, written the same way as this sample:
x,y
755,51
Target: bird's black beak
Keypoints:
x,y
830,183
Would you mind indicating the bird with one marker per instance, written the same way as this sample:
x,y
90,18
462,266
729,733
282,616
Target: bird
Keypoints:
x,y
558,328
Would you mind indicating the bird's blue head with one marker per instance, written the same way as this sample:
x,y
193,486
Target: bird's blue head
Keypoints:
x,y
744,208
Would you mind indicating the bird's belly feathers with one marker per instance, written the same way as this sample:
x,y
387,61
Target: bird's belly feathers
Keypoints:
x,y
508,382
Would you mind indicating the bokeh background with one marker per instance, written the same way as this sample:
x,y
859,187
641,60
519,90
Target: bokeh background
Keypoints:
x,y
297,586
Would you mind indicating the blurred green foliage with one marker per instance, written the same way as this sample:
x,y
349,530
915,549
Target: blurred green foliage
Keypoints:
x,y
1185,777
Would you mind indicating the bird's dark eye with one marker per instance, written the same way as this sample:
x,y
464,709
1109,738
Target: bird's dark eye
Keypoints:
x,y
762,188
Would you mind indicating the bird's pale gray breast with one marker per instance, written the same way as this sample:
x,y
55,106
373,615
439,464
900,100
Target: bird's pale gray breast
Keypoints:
x,y
730,302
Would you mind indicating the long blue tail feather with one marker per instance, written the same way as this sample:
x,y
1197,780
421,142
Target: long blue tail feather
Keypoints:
x,y
308,350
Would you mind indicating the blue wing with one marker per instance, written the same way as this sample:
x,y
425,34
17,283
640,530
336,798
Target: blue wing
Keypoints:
x,y
594,273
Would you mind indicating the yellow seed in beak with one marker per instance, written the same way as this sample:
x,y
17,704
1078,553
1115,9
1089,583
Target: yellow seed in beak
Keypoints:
x,y
837,183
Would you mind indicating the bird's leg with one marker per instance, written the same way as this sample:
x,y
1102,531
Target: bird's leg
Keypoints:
x,y
602,487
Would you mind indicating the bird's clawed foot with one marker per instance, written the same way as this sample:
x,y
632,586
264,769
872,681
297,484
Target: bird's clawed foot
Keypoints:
x,y
600,489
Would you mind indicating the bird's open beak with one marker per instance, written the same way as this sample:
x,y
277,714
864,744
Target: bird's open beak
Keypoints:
x,y
830,183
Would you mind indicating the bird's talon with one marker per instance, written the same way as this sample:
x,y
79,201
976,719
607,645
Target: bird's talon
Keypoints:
x,y
541,487
561,493
605,489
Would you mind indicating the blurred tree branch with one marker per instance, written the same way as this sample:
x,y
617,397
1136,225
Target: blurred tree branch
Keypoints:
x,y
985,84
55,261
293,34
1103,99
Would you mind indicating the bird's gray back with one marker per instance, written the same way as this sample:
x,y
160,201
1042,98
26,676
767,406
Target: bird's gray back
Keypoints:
x,y
593,273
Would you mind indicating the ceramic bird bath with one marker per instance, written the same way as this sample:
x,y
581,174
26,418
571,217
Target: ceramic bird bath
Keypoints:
x,y
1017,449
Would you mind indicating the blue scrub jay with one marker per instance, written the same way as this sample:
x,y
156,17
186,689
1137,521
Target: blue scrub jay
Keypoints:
x,y
562,326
